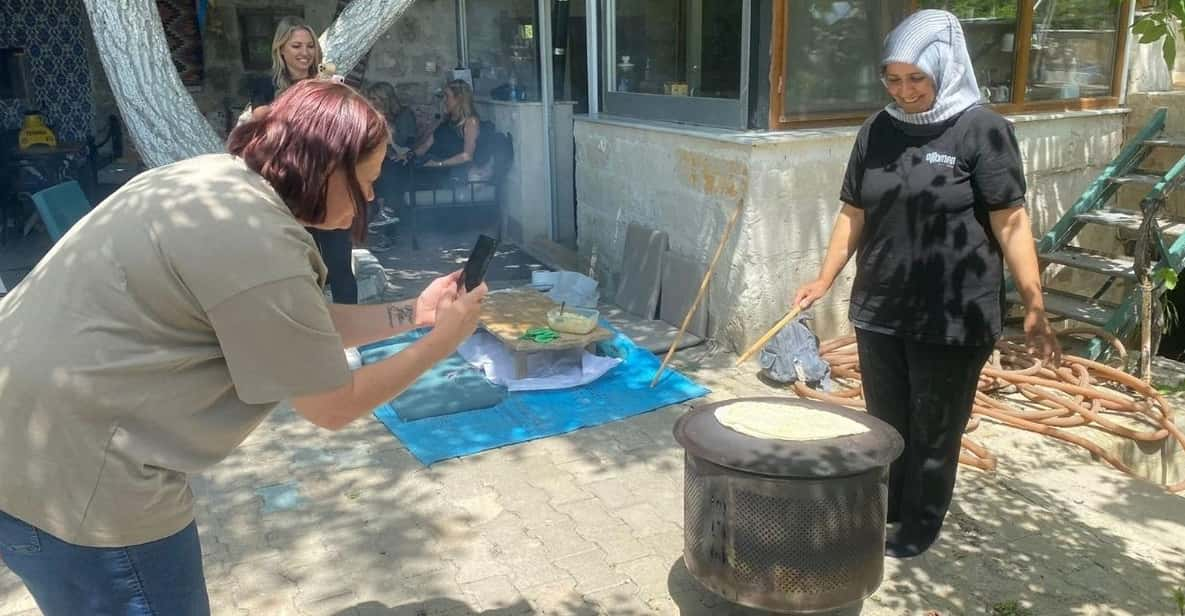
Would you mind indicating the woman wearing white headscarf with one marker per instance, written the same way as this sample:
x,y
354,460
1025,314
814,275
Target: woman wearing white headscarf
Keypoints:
x,y
933,204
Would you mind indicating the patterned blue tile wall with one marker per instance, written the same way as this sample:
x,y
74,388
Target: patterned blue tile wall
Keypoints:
x,y
53,33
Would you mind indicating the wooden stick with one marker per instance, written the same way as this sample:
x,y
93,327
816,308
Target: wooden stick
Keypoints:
x,y
773,331
703,288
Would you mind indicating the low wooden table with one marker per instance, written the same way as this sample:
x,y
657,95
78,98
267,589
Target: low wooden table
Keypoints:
x,y
509,314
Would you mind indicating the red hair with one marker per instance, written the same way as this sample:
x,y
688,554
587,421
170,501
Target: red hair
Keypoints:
x,y
313,129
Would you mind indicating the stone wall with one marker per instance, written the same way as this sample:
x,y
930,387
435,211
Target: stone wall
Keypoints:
x,y
415,56
687,181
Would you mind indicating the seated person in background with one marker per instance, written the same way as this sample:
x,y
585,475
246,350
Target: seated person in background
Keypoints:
x,y
447,150
400,118
454,141
402,122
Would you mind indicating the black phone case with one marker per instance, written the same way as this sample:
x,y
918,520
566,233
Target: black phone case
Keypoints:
x,y
479,262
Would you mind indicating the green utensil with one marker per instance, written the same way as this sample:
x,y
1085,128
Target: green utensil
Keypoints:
x,y
541,335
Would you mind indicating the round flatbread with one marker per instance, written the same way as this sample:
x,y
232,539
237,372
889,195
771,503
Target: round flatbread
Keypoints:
x,y
785,422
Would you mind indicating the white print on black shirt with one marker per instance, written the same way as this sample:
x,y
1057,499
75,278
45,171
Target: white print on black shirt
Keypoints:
x,y
937,158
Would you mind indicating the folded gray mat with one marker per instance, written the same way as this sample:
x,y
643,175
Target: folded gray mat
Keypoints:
x,y
650,334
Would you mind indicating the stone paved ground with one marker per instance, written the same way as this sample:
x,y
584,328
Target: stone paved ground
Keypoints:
x,y
303,521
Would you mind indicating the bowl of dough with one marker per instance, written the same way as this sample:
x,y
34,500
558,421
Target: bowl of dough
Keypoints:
x,y
573,320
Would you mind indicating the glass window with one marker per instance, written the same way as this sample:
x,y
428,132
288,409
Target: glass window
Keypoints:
x,y
1073,49
990,28
678,47
503,49
833,48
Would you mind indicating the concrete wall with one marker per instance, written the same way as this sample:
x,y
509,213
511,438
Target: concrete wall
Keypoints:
x,y
526,197
1143,106
687,181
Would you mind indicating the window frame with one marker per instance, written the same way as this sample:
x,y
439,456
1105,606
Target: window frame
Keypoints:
x,y
717,112
778,120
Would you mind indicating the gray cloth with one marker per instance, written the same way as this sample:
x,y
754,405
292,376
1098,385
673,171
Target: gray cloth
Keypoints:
x,y
933,41
794,351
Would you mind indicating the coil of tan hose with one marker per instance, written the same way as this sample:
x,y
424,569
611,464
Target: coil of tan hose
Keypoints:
x,y
1079,392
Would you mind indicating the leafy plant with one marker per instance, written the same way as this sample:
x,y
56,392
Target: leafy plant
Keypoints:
x,y
1179,599
1164,277
1163,19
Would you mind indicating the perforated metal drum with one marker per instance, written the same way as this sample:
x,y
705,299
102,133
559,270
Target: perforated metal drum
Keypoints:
x,y
785,525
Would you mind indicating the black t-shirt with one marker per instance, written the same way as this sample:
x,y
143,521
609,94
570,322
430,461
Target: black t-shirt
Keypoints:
x,y
929,267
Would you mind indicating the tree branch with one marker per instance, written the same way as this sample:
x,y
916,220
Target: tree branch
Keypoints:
x,y
360,24
162,118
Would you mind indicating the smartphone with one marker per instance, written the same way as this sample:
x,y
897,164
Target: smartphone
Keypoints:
x,y
479,261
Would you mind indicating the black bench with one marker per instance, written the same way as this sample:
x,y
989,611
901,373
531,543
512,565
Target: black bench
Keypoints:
x,y
476,185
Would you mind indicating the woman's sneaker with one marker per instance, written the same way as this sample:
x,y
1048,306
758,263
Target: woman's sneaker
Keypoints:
x,y
381,220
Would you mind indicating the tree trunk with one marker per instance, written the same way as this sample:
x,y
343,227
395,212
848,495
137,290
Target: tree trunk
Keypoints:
x,y
360,24
355,75
161,116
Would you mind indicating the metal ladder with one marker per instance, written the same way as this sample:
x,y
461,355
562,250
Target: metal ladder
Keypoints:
x,y
1121,320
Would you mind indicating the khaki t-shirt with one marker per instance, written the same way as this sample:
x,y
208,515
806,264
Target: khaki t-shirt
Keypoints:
x,y
148,344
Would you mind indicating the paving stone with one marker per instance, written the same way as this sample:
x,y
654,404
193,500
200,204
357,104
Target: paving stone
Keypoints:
x,y
400,538
440,595
341,604
641,518
561,487
222,599
261,588
379,595
592,571
505,531
652,574
533,567
665,544
480,560
316,581
494,593
515,494
13,596
631,439
620,600
614,493
32,612
281,497
456,479
398,461
620,544
558,538
452,528
588,515
561,599
481,508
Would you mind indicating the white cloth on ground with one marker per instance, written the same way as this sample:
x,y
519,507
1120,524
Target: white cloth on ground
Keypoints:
x,y
545,370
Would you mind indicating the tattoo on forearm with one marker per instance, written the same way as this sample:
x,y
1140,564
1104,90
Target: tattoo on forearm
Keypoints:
x,y
400,314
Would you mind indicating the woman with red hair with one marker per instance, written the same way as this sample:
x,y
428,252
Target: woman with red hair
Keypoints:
x,y
165,326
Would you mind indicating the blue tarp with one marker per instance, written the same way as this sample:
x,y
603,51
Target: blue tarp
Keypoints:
x,y
523,416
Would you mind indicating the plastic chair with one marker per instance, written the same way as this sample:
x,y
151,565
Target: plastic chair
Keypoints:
x,y
60,207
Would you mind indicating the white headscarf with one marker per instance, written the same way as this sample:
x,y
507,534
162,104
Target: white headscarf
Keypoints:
x,y
933,41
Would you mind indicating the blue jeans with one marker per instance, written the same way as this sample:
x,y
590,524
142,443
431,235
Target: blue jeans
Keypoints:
x,y
163,577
